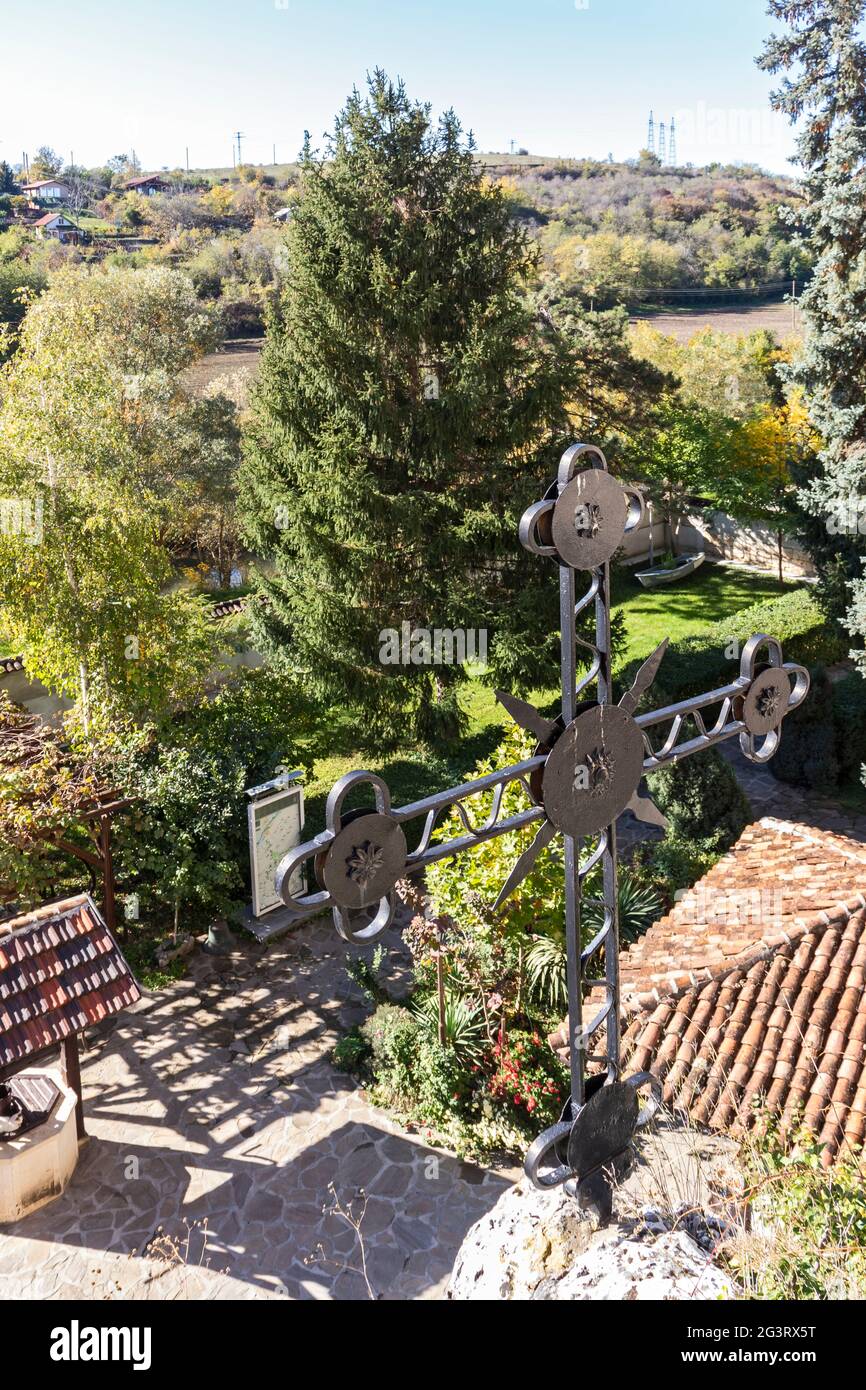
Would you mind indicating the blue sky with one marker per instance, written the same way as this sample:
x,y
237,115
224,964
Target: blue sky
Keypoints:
x,y
560,77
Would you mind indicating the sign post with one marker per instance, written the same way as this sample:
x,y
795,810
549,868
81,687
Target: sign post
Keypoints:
x,y
275,817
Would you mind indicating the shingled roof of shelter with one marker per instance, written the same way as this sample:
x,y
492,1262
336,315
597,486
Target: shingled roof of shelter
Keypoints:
x,y
61,970
753,988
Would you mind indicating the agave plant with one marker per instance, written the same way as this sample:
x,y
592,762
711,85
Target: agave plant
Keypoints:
x,y
464,1024
545,972
639,906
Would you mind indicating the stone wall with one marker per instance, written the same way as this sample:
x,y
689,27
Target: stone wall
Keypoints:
x,y
723,538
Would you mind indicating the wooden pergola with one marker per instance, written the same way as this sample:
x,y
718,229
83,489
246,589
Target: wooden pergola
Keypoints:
x,y
77,798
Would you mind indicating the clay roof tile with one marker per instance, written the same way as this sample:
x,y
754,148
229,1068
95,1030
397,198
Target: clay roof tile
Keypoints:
x,y
753,988
50,984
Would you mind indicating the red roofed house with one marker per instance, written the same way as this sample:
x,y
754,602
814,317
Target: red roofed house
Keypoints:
x,y
148,184
60,227
753,988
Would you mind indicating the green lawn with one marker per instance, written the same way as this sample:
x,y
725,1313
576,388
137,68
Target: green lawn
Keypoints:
x,y
87,221
712,593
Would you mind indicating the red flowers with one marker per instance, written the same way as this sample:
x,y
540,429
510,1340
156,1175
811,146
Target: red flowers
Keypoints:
x,y
528,1077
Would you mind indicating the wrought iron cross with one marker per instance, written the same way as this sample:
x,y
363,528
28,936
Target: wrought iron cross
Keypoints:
x,y
585,772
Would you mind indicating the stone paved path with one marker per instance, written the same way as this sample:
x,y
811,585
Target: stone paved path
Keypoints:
x,y
771,798
215,1100
767,797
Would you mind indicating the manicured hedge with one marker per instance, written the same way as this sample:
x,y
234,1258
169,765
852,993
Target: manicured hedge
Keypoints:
x,y
702,662
849,717
807,755
702,800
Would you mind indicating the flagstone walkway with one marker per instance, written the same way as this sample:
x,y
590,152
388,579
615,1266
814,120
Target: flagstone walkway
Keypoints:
x,y
214,1102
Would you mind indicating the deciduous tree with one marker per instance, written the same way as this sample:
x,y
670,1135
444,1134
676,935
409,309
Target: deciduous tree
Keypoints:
x,y
86,455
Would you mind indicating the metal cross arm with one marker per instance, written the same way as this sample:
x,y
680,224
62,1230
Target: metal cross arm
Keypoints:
x,y
586,770
362,854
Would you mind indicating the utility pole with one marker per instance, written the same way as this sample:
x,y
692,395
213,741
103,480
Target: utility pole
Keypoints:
x,y
239,136
275,155
187,159
672,142
651,134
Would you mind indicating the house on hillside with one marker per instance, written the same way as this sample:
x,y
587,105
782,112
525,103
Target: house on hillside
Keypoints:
x,y
147,185
47,191
59,227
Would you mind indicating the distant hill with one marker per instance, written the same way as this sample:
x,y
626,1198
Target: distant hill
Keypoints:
x,y
639,233
644,234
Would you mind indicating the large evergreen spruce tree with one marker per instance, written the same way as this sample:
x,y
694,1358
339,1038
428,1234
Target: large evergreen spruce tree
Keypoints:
x,y
411,404
823,56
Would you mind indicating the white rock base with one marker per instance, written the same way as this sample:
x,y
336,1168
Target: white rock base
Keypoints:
x,y
539,1245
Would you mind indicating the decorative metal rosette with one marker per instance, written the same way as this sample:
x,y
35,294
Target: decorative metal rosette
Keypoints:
x,y
593,771
358,861
585,514
774,689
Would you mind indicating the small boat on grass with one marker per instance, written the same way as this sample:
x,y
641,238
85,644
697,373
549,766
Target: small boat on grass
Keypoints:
x,y
672,571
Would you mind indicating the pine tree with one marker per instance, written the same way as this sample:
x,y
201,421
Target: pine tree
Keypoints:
x,y
824,60
411,403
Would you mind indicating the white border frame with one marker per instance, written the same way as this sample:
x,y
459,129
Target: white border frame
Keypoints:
x,y
295,790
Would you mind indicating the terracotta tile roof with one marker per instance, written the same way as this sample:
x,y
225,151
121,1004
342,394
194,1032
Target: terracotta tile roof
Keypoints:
x,y
60,971
226,607
145,179
754,987
55,217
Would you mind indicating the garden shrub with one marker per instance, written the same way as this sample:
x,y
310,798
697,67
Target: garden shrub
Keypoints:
x,y
702,800
849,718
807,753
352,1053
392,1035
463,1024
673,864
183,846
702,662
410,1068
813,1219
529,1079
443,1081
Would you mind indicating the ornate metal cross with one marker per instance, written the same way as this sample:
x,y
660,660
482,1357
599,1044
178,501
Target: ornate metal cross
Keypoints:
x,y
586,770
